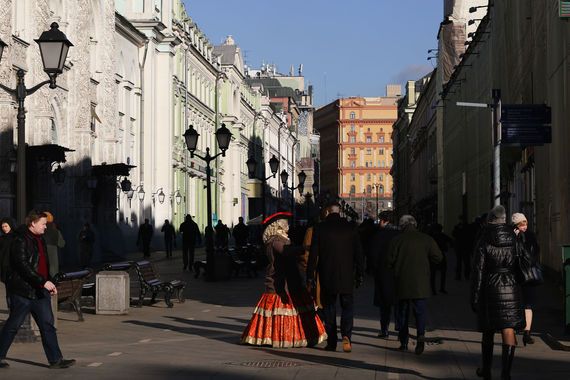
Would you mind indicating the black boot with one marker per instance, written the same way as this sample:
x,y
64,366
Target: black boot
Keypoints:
x,y
487,357
508,356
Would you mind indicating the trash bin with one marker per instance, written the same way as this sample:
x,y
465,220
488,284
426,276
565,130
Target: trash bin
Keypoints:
x,y
566,272
112,293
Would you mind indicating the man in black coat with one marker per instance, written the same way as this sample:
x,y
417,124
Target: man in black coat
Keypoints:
x,y
169,237
384,288
145,236
241,233
337,256
30,290
190,236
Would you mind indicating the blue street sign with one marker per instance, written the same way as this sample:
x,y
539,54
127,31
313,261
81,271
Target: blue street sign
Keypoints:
x,y
526,124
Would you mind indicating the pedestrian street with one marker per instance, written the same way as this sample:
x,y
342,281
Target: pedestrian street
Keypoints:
x,y
199,339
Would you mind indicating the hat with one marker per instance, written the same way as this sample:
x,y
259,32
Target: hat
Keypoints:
x,y
518,218
497,215
49,216
278,215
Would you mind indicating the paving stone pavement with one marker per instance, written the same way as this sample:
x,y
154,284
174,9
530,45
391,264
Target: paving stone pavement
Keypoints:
x,y
198,339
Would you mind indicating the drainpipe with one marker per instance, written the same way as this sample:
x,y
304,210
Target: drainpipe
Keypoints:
x,y
141,153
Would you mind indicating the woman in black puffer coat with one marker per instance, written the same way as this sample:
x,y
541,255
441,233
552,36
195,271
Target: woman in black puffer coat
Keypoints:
x,y
495,293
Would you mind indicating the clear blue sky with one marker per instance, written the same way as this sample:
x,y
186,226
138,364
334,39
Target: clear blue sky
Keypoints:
x,y
347,48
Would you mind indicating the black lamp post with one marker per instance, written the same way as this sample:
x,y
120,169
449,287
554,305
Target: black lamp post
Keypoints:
x,y
301,186
252,167
223,138
54,46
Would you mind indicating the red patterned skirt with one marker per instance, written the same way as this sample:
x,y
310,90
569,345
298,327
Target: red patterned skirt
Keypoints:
x,y
291,322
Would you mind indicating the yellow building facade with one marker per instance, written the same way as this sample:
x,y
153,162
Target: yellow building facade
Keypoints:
x,y
365,153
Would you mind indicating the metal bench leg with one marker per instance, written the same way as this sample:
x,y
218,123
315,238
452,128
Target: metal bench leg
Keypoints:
x,y
141,297
153,299
168,295
77,307
181,297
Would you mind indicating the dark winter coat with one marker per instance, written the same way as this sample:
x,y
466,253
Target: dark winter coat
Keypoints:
x,y
336,255
282,273
410,255
495,294
190,232
23,278
384,287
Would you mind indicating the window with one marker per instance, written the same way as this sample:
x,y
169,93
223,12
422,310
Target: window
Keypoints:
x,y
369,140
381,177
381,139
352,189
366,164
352,164
368,177
381,151
352,116
352,127
368,151
368,129
353,177
352,139
352,151
381,191
368,189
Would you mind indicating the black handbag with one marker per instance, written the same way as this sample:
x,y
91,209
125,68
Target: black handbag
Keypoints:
x,y
529,272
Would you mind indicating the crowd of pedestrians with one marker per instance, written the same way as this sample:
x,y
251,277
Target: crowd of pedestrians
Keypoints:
x,y
405,263
305,282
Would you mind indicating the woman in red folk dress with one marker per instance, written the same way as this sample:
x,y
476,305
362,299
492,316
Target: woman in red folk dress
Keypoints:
x,y
285,315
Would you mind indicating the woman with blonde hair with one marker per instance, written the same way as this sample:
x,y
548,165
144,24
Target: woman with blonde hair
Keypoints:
x,y
285,315
530,244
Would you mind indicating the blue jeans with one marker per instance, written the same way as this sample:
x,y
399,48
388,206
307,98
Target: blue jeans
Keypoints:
x,y
404,318
40,309
346,317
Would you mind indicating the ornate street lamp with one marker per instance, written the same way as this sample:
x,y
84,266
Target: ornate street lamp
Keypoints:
x,y
178,197
301,186
223,138
251,168
54,47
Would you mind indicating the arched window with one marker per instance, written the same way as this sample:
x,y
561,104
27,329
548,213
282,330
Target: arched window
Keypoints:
x,y
352,189
352,115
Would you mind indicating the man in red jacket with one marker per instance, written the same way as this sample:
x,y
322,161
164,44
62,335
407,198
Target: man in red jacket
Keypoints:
x,y
30,290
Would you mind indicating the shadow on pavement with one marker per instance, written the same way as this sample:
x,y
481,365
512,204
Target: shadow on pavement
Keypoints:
x,y
346,363
209,324
205,332
28,362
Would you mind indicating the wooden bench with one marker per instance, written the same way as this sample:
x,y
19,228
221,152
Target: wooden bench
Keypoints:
x,y
120,266
150,283
243,260
69,288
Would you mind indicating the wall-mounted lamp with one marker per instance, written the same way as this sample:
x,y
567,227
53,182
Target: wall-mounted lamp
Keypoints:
x,y
140,193
474,9
58,174
177,197
158,194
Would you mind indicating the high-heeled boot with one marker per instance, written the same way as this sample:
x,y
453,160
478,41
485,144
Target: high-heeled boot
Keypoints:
x,y
527,338
487,358
508,356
